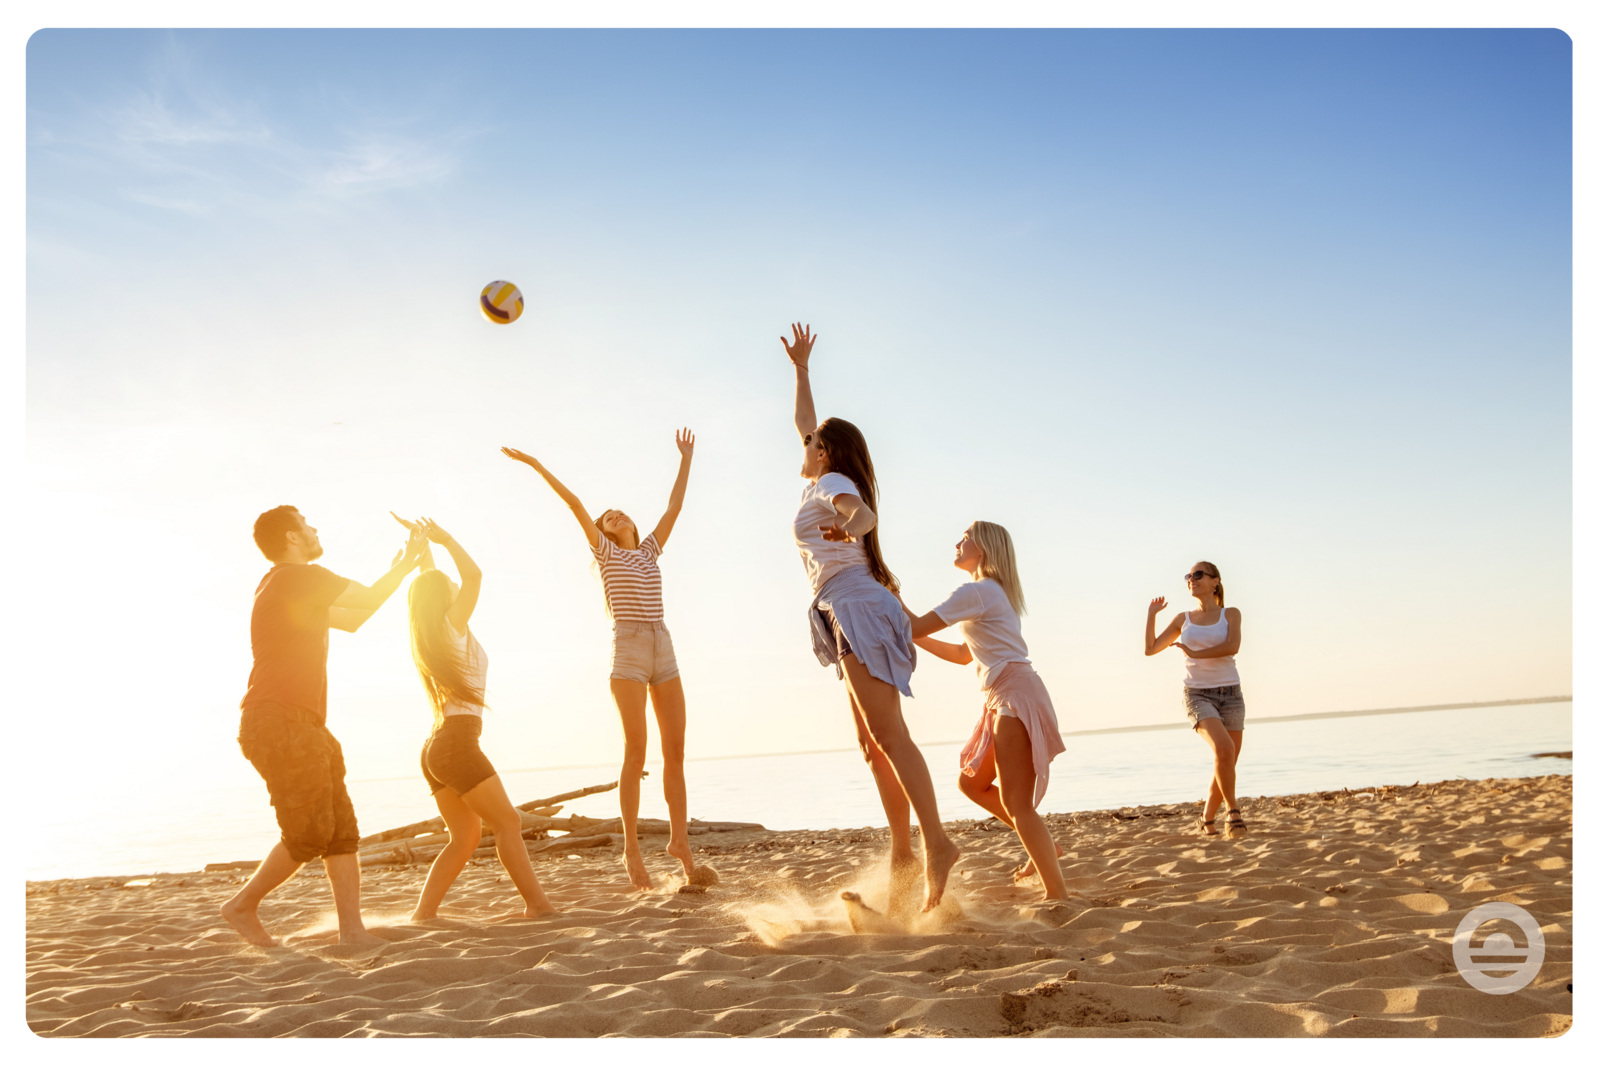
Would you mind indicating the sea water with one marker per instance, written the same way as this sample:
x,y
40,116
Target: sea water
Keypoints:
x,y
826,790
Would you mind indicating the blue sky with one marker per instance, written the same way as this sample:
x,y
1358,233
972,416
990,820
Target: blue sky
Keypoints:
x,y
1295,302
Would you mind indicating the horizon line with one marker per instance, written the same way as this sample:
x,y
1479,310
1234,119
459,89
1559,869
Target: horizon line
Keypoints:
x,y
1086,732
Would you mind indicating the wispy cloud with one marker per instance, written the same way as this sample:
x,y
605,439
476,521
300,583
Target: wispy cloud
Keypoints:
x,y
180,142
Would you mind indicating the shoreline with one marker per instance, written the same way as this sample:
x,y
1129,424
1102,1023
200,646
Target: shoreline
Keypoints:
x,y
949,824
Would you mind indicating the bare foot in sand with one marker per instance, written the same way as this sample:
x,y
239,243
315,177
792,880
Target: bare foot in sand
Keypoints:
x,y
634,862
419,915
1027,869
246,923
679,849
936,864
863,919
361,939
540,912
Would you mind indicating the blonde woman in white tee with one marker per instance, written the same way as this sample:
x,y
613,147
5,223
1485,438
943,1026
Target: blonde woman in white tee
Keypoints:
x,y
859,628
1208,638
642,659
1017,733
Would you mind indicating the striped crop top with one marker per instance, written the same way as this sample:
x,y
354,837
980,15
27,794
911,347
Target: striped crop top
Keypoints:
x,y
632,580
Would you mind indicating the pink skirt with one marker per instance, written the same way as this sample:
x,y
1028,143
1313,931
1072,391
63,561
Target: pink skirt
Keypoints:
x,y
1020,690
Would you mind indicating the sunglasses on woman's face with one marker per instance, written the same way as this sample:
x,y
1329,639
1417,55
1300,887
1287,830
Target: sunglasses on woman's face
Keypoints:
x,y
1197,575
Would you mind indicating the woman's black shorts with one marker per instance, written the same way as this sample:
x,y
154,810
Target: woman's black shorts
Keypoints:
x,y
452,759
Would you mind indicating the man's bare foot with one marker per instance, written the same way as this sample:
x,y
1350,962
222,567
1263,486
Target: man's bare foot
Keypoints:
x,y
1027,869
361,939
540,912
634,862
246,924
679,849
936,863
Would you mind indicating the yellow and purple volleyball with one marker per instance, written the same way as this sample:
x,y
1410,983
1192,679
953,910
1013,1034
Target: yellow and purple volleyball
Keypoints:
x,y
501,302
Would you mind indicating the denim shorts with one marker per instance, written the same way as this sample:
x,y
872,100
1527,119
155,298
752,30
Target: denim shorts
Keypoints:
x,y
642,651
1226,703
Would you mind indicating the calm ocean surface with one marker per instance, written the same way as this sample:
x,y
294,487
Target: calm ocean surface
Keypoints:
x,y
834,789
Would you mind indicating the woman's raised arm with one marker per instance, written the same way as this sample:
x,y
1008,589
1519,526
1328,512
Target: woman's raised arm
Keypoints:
x,y
685,440
589,530
805,411
460,612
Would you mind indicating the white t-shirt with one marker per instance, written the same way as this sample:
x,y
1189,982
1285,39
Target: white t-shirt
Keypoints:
x,y
825,558
989,626
475,667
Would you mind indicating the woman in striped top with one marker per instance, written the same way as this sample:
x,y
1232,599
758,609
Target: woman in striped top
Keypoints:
x,y
641,658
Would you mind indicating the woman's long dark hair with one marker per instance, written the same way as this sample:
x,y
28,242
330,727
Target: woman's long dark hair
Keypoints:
x,y
848,455
444,675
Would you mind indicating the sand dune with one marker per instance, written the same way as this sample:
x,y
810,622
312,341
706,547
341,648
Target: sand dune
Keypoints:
x,y
1332,915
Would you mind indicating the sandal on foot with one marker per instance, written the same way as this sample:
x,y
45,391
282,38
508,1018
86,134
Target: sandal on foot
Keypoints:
x,y
1236,821
1208,830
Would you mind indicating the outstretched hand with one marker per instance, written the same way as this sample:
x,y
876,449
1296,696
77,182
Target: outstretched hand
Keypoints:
x,y
835,532
416,542
521,457
1158,605
433,531
685,439
800,351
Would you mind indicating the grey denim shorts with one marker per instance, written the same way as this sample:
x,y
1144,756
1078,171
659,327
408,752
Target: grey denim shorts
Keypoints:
x,y
642,651
1226,703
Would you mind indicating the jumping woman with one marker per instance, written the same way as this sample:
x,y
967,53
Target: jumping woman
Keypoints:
x,y
859,627
642,659
1208,638
1017,733
465,786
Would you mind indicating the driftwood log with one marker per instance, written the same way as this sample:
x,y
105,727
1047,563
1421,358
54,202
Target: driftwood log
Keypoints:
x,y
422,841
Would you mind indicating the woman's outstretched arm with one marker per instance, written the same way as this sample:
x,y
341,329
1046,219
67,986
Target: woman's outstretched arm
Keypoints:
x,y
1153,643
805,411
460,612
959,654
663,530
565,493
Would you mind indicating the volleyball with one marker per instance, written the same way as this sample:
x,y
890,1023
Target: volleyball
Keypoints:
x,y
501,302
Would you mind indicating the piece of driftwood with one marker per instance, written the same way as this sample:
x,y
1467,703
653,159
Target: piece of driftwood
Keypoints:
x,y
574,794
601,840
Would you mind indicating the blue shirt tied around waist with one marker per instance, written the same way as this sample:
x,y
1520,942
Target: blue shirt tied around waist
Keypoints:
x,y
872,622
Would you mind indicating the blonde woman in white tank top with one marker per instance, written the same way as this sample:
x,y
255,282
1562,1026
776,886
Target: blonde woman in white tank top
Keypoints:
x,y
1208,638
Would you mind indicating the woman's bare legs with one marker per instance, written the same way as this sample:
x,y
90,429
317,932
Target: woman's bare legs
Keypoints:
x,y
878,703
902,860
488,800
1225,747
466,829
630,697
1013,757
980,790
666,699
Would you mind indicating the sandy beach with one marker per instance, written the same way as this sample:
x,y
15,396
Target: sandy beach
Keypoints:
x,y
1333,915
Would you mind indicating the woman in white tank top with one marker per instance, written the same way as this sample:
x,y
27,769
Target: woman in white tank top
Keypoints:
x,y
1208,638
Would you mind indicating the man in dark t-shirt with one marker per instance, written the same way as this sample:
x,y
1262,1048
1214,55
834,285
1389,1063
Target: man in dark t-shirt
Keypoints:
x,y
283,717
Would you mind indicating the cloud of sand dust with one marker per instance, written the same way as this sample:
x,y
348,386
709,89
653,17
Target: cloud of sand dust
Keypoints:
x,y
787,909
